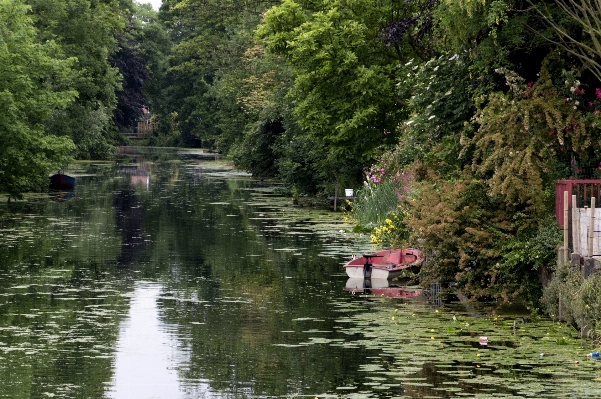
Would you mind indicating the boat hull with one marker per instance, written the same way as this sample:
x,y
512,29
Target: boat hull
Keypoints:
x,y
62,182
376,272
384,264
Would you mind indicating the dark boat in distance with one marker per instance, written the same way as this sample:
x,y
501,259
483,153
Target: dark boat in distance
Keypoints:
x,y
60,181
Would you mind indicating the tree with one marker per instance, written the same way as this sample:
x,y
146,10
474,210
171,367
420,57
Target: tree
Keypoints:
x,y
518,138
155,49
87,31
31,81
345,56
134,75
584,42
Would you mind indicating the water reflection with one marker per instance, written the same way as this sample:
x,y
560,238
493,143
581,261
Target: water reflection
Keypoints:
x,y
229,291
129,216
148,353
139,173
382,287
62,196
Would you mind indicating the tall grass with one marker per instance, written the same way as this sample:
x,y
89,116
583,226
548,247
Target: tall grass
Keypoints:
x,y
374,202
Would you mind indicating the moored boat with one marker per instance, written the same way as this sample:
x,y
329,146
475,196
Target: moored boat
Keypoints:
x,y
61,181
386,264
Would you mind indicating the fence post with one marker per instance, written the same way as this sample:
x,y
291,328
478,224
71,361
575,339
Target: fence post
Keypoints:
x,y
566,250
575,233
591,228
335,195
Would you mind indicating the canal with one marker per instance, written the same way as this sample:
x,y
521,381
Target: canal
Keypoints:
x,y
167,274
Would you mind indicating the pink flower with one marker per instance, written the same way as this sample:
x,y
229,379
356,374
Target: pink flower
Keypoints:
x,y
566,99
530,84
590,104
551,133
598,92
386,132
596,112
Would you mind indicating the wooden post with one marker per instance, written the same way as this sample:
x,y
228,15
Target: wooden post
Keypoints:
x,y
578,228
566,250
560,309
591,228
575,235
335,195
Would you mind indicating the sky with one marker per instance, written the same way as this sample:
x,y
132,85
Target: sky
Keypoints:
x,y
155,3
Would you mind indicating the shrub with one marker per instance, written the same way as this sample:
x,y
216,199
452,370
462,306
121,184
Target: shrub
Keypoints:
x,y
580,299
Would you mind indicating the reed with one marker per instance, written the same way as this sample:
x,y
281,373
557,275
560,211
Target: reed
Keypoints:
x,y
374,202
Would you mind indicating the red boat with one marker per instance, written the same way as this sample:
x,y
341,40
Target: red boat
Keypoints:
x,y
384,264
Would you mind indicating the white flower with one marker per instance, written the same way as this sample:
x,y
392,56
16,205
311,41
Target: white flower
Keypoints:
x,y
576,102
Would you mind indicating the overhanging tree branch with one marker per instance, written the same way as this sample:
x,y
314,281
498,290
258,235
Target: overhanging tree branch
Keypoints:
x,y
586,14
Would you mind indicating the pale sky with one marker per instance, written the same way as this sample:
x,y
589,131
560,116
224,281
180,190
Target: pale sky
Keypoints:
x,y
156,4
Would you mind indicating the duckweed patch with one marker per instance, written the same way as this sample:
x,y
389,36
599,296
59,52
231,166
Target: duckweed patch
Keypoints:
x,y
424,348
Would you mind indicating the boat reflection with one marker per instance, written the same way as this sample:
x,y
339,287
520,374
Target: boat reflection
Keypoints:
x,y
61,196
381,287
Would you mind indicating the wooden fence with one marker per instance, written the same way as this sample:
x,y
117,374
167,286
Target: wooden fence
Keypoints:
x,y
576,214
584,190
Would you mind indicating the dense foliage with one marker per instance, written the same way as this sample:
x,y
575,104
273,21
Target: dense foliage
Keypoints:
x,y
451,118
32,86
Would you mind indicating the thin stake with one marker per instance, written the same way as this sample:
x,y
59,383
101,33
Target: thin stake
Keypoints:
x,y
591,228
335,195
565,227
575,237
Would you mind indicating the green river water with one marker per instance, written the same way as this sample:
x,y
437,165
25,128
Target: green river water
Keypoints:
x,y
166,274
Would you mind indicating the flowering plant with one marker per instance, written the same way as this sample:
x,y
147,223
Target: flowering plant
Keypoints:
x,y
393,232
579,98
